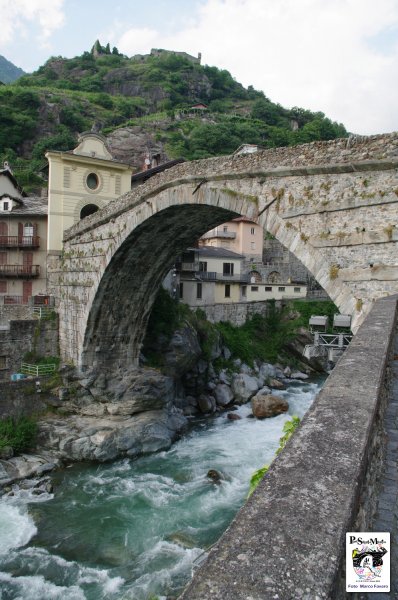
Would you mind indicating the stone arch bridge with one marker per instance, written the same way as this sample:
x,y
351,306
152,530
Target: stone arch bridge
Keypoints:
x,y
333,204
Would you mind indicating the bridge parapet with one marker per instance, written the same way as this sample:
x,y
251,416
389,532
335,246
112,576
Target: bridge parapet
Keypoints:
x,y
288,541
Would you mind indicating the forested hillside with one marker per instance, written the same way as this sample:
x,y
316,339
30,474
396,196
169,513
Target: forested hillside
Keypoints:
x,y
143,102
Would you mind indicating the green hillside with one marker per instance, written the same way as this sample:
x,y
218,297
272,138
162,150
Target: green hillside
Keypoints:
x,y
8,71
153,94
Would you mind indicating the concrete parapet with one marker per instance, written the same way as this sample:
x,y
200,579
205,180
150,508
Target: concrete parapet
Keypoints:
x,y
288,540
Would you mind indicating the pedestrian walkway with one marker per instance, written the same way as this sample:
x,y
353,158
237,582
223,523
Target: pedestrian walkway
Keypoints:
x,y
386,518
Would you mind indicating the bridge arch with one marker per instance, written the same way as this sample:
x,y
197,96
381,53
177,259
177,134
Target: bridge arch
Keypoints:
x,y
338,219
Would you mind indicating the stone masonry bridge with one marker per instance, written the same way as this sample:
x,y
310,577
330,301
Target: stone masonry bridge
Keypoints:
x,y
333,204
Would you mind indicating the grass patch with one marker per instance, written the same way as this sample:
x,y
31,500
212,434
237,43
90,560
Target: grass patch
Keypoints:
x,y
20,434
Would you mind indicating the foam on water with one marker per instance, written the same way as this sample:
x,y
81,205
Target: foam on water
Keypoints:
x,y
16,528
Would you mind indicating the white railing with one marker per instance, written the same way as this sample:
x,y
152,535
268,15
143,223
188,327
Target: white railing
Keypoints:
x,y
36,370
42,311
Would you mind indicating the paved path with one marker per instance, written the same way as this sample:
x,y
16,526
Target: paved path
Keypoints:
x,y
386,518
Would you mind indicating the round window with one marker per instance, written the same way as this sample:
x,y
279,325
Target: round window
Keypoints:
x,y
92,181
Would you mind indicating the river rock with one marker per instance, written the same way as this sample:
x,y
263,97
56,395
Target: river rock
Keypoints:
x,y
207,404
299,375
276,384
223,394
233,417
243,387
287,371
105,438
266,371
182,352
140,390
268,406
225,377
214,475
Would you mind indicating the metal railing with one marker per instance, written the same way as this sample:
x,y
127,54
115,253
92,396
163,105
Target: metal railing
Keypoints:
x,y
36,370
213,276
42,312
332,340
19,241
19,270
14,300
229,235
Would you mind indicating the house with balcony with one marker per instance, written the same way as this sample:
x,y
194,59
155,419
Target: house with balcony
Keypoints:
x,y
210,276
23,242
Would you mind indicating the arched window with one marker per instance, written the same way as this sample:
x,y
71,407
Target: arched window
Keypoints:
x,y
88,210
28,230
274,277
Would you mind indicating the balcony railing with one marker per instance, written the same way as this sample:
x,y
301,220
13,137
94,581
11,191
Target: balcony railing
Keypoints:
x,y
212,276
19,270
19,241
13,300
217,233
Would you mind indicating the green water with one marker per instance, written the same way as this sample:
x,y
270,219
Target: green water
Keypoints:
x,y
133,529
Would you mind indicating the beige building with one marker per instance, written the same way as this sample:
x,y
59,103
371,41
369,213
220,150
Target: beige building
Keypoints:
x,y
23,242
239,235
82,181
210,276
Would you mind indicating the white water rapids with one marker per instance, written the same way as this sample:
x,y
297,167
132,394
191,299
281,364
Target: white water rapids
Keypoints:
x,y
132,529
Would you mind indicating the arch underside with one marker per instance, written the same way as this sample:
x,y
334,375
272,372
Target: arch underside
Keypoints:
x,y
121,308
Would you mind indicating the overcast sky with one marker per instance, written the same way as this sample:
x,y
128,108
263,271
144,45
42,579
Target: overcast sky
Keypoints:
x,y
335,56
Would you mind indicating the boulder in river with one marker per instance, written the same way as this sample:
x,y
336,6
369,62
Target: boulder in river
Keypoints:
x,y
264,406
244,387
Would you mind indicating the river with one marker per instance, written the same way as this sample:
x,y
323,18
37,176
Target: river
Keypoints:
x,y
132,530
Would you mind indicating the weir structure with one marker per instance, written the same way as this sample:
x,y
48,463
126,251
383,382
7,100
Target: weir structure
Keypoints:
x,y
333,204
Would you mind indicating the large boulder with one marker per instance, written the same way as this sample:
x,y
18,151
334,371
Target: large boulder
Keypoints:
x,y
138,391
182,352
223,394
207,404
266,371
244,387
264,406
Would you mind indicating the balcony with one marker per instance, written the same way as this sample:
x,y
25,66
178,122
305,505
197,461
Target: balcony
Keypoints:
x,y
19,270
13,300
218,233
212,276
19,241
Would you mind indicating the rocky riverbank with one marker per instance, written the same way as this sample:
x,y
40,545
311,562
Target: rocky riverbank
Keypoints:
x,y
103,416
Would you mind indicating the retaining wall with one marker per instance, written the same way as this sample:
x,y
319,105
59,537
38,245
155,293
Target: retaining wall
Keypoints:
x,y
37,336
288,540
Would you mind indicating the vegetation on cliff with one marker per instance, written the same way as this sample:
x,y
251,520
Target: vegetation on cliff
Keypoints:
x,y
261,338
47,109
18,434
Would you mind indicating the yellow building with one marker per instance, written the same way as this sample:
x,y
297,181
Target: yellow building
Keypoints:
x,y
81,182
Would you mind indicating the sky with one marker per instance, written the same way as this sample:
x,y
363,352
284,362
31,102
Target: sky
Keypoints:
x,y
335,56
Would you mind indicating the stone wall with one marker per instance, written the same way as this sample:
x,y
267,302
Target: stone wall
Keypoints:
x,y
38,336
288,541
14,312
236,313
